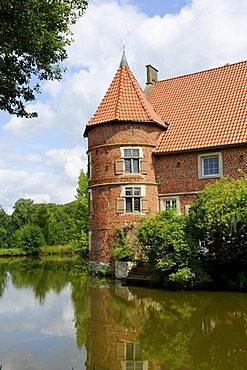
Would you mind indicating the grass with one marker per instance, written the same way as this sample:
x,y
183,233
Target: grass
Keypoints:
x,y
57,250
11,252
46,250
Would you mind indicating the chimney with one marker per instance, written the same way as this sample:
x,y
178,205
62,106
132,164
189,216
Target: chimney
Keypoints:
x,y
152,77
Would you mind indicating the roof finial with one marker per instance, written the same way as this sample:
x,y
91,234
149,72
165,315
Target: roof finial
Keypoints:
x,y
124,62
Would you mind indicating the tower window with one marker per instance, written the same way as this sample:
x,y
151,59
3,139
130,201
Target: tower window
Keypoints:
x,y
133,199
131,160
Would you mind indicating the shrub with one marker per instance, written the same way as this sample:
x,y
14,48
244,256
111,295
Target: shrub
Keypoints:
x,y
121,248
29,238
219,217
168,251
124,246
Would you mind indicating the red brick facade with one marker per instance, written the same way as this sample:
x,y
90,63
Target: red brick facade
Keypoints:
x,y
181,177
166,171
104,147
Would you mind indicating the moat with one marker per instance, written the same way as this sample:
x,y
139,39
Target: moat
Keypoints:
x,y
54,316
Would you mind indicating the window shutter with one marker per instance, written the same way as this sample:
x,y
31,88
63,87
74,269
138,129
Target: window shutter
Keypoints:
x,y
121,351
119,166
144,166
145,205
120,205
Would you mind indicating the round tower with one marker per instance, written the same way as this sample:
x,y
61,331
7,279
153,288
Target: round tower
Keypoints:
x,y
122,135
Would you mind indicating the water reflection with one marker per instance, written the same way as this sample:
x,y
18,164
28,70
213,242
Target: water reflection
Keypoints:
x,y
52,316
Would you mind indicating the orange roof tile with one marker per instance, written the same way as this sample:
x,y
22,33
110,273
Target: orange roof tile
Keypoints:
x,y
125,101
205,109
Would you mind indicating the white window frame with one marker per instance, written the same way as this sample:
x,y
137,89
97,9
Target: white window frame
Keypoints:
x,y
187,209
141,196
201,158
163,200
90,202
134,361
89,165
122,149
90,240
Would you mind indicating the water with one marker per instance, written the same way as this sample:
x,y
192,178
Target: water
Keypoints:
x,y
53,316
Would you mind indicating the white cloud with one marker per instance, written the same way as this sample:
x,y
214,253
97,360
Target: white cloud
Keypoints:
x,y
25,128
57,182
42,158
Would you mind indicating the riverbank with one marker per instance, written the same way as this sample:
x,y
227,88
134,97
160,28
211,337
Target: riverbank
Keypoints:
x,y
46,250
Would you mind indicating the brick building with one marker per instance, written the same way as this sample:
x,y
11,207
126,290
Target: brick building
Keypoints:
x,y
155,149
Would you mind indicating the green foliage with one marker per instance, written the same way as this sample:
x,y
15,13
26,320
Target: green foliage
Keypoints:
x,y
168,251
219,216
33,39
30,239
104,272
79,228
4,228
22,214
122,250
57,249
59,224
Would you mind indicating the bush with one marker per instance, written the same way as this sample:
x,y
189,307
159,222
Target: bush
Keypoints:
x,y
219,217
124,248
168,251
29,238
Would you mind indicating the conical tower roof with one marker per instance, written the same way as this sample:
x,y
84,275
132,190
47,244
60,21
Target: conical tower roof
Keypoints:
x,y
124,101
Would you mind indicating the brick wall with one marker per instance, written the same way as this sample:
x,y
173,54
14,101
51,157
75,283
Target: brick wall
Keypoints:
x,y
178,173
167,175
104,143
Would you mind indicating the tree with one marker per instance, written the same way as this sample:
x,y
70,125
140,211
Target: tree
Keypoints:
x,y
29,238
80,228
218,217
168,251
22,215
33,39
4,227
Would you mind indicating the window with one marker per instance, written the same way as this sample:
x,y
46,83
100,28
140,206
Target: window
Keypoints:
x,y
187,209
89,166
130,355
90,202
210,165
131,160
90,239
132,200
169,203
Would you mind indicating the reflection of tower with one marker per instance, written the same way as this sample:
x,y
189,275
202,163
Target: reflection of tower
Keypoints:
x,y
122,135
112,332
130,355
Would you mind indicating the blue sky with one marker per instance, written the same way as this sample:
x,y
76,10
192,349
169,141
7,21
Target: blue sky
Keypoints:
x,y
41,158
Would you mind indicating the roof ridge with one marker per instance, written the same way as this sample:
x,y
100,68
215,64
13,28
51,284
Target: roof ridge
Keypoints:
x,y
120,92
227,65
142,98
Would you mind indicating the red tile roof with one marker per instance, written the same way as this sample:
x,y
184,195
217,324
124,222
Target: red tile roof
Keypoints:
x,y
204,109
125,101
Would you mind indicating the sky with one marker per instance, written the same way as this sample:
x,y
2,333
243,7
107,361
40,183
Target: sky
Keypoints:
x,y
41,158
